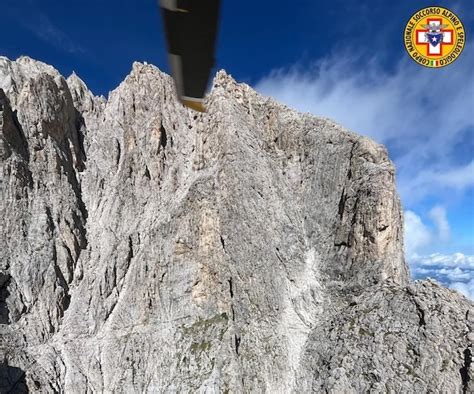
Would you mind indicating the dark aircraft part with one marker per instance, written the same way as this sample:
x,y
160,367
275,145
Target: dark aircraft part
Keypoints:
x,y
191,30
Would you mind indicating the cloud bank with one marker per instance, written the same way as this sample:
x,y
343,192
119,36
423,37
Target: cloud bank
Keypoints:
x,y
455,270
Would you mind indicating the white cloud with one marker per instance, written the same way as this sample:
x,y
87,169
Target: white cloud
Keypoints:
x,y
417,235
438,216
48,32
41,25
460,177
466,288
455,270
455,260
427,181
455,274
422,114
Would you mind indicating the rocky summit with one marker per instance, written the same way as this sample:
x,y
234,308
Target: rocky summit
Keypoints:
x,y
148,248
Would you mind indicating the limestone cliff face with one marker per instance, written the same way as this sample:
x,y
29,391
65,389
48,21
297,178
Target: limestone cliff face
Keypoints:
x,y
145,247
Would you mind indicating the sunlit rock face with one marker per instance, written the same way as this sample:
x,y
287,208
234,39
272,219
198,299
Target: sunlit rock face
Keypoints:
x,y
148,248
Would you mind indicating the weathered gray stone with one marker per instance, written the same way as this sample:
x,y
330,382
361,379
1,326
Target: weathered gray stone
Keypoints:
x,y
145,247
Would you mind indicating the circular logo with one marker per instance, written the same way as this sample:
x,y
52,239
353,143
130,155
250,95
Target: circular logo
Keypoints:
x,y
434,37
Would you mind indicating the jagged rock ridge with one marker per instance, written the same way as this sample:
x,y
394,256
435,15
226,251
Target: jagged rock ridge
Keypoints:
x,y
145,247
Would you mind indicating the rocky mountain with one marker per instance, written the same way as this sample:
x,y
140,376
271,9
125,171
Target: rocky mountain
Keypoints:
x,y
148,248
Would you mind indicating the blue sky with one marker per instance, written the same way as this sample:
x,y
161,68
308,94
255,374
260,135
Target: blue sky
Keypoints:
x,y
342,59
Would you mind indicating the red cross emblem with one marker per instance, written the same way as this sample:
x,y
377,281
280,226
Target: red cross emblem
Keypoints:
x,y
435,28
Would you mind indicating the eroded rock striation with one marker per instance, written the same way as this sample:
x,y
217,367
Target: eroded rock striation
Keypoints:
x,y
148,248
